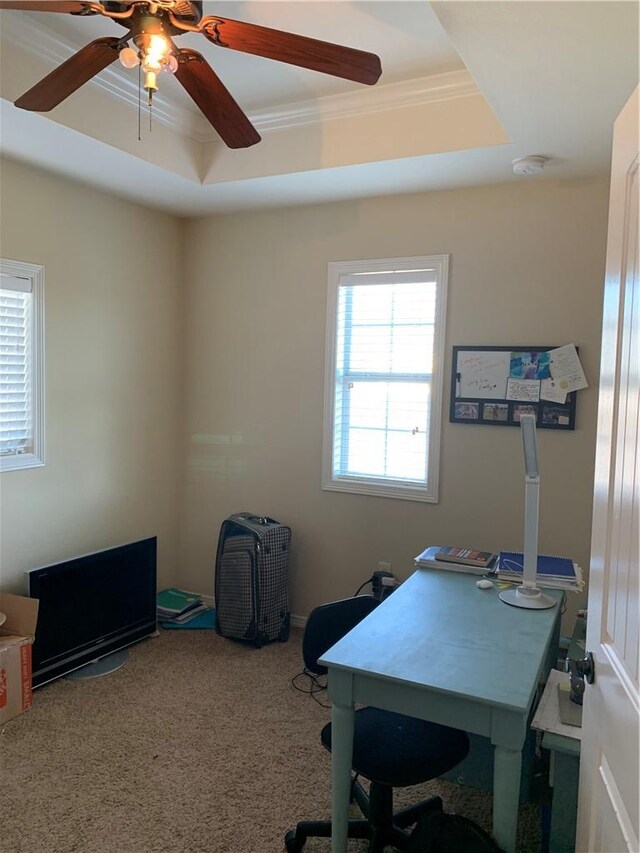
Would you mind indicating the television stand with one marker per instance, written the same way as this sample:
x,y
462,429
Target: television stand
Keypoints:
x,y
102,666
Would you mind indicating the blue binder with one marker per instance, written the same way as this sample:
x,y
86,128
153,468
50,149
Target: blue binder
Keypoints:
x,y
548,567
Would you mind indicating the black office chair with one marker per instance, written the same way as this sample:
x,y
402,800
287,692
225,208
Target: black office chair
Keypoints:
x,y
390,750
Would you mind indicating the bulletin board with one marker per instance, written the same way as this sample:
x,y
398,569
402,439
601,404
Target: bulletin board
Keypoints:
x,y
493,386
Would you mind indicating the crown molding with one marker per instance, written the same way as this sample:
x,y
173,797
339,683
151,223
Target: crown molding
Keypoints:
x,y
390,96
41,41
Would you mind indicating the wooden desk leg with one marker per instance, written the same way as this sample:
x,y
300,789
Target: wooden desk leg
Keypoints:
x,y
342,721
507,766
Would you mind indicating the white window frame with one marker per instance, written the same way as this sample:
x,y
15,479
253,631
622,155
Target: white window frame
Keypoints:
x,y
341,272
35,275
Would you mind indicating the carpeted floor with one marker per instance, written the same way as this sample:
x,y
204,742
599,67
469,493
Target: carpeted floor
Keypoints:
x,y
197,745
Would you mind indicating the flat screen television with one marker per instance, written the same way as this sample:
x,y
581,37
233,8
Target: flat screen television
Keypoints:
x,y
92,606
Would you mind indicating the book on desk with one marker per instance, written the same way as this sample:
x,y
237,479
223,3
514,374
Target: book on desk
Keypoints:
x,y
553,572
466,557
429,559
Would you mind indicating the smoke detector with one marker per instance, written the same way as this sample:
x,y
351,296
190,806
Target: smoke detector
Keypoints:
x,y
529,165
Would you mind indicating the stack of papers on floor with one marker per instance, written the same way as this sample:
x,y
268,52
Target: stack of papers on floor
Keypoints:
x,y
178,606
553,572
427,559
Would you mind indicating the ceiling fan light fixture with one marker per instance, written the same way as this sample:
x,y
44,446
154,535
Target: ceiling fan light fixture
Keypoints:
x,y
171,65
150,82
129,57
155,53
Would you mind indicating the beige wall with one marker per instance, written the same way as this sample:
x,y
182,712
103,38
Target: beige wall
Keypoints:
x,y
140,443
527,263
113,357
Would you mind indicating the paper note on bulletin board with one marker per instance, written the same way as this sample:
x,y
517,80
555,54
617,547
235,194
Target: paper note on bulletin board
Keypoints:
x,y
483,375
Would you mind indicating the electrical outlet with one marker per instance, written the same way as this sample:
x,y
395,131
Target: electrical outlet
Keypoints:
x,y
382,582
384,567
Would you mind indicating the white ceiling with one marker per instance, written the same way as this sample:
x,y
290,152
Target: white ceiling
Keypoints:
x,y
466,88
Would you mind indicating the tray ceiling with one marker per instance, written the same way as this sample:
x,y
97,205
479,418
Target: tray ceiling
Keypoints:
x,y
466,88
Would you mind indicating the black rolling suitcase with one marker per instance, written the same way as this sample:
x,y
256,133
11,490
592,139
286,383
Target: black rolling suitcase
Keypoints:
x,y
252,601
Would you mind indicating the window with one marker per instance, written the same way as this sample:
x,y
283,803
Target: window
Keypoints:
x,y
21,373
384,371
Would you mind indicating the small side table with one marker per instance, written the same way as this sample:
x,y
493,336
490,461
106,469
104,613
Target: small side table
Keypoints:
x,y
564,744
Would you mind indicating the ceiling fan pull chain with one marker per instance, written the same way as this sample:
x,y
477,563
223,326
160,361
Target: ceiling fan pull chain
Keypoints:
x,y
139,102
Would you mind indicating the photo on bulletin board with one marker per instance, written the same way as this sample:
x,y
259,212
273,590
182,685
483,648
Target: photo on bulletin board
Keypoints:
x,y
494,386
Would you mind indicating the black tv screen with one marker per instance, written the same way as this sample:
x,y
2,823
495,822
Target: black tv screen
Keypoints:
x,y
92,606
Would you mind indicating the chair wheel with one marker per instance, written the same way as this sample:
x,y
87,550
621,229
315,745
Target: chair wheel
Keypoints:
x,y
292,842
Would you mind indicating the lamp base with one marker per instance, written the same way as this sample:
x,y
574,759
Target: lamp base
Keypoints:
x,y
531,599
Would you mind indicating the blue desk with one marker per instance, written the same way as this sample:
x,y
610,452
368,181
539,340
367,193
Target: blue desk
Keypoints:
x,y
440,649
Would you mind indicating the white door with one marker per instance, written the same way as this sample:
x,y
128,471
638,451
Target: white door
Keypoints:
x,y
609,766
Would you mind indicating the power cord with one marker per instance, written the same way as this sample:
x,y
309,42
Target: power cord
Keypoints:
x,y
315,685
369,580
382,585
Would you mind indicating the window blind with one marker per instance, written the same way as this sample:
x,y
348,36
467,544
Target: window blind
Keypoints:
x,y
383,376
16,427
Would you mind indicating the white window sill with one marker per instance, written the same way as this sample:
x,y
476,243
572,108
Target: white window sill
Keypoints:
x,y
20,462
381,490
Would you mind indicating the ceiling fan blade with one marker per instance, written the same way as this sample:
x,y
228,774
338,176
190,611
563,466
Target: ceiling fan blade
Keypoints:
x,y
215,100
69,76
306,52
43,6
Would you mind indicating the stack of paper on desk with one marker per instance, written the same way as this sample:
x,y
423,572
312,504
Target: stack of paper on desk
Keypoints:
x,y
427,559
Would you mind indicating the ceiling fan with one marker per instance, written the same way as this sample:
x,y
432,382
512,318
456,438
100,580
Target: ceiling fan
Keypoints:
x,y
151,26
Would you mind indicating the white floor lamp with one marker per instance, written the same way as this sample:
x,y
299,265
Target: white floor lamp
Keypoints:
x,y
528,594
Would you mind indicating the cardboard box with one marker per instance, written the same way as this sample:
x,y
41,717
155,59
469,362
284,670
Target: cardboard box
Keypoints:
x,y
16,636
